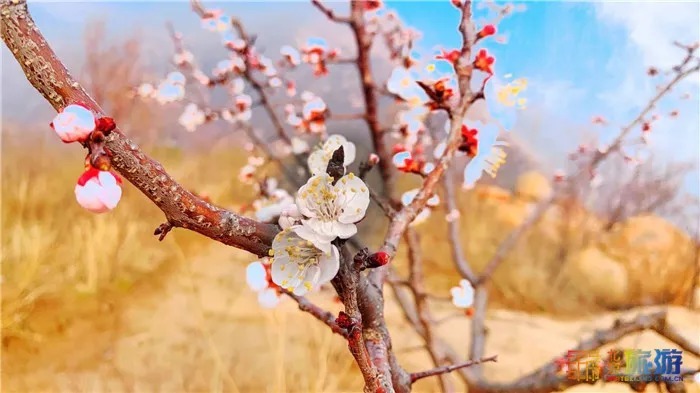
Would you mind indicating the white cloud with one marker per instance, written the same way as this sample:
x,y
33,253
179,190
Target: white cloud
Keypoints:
x,y
653,26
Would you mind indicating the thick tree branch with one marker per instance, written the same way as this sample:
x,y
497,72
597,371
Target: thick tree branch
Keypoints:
x,y
181,208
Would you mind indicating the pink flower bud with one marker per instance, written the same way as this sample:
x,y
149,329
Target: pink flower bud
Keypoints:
x,y
74,123
373,159
98,191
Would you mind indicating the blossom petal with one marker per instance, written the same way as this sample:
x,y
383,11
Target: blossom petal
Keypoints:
x,y
344,231
353,199
268,298
308,232
255,276
329,265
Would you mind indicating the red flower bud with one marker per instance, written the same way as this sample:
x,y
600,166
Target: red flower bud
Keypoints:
x,y
378,259
486,31
344,321
105,124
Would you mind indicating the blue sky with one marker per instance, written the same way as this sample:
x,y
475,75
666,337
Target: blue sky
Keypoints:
x,y
581,58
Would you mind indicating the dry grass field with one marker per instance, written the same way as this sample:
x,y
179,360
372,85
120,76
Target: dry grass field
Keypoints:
x,y
94,303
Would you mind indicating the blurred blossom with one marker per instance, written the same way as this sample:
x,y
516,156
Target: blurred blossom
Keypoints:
x,y
314,115
192,117
463,295
176,77
169,92
243,105
236,86
270,207
146,90
183,57
406,199
290,216
259,279
507,95
291,55
299,146
216,21
452,216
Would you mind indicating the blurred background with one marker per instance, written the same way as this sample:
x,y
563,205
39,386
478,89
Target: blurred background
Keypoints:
x,y
95,303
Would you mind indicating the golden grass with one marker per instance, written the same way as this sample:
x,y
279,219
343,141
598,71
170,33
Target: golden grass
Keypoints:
x,y
95,303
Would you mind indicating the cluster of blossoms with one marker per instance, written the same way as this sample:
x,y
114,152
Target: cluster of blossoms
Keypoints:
x,y
247,173
317,54
98,189
424,90
304,255
171,89
311,118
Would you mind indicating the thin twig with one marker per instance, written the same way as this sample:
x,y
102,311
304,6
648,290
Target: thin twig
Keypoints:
x,y
448,369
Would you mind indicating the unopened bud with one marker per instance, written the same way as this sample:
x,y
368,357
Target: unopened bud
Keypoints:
x,y
378,259
373,159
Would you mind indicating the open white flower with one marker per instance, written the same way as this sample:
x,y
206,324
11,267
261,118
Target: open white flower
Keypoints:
x,y
299,266
463,295
331,210
319,158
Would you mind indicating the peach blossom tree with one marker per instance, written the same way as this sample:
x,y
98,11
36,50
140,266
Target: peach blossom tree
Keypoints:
x,y
306,237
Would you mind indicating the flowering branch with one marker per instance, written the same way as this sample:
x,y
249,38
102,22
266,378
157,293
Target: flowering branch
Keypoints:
x,y
181,208
683,70
364,46
463,69
329,12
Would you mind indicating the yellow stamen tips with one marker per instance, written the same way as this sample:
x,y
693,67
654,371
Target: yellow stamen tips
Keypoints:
x,y
363,189
285,283
351,175
308,286
353,189
344,180
271,252
430,67
282,267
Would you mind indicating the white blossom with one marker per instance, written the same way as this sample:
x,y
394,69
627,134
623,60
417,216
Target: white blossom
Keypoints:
x,y
408,197
299,146
331,210
463,295
192,117
299,266
74,123
319,158
146,90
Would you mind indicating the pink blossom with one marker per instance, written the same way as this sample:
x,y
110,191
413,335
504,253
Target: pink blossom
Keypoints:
x,y
98,191
74,123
